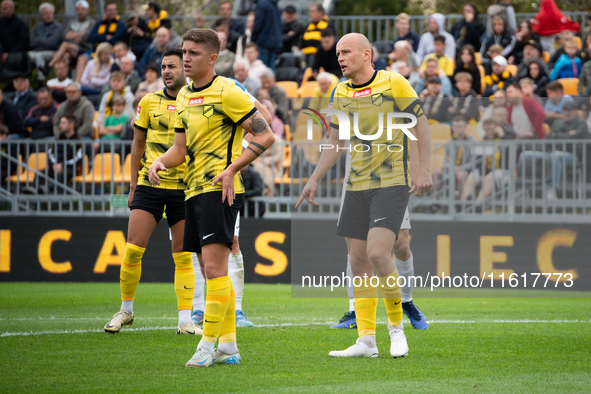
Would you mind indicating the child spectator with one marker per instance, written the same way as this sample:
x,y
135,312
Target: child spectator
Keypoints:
x,y
114,123
499,99
565,36
152,83
502,128
467,63
536,70
128,131
555,102
98,71
64,158
436,28
118,88
498,78
466,102
432,70
493,51
568,64
444,62
435,102
528,89
504,9
500,36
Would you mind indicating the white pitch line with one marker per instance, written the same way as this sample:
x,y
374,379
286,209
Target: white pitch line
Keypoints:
x,y
14,334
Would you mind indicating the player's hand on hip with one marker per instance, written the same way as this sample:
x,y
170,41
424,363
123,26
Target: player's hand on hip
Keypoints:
x,y
153,173
309,193
131,194
423,184
227,179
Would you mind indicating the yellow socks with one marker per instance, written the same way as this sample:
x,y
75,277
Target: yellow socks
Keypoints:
x,y
131,270
390,292
217,302
366,303
228,329
184,279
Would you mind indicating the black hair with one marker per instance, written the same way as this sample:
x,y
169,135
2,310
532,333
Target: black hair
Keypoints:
x,y
173,52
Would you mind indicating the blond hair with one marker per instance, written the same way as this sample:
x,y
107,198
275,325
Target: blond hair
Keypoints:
x,y
102,47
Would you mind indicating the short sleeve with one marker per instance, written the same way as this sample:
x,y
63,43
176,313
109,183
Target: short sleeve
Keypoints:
x,y
334,121
178,109
237,104
405,96
142,120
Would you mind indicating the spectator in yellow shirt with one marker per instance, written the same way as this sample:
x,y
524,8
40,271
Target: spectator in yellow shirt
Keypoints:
x,y
444,62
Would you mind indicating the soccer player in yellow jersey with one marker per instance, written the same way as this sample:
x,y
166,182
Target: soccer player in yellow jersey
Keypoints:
x,y
154,134
212,113
378,185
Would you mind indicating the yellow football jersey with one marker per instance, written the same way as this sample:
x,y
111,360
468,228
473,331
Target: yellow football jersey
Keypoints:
x,y
381,162
156,116
211,117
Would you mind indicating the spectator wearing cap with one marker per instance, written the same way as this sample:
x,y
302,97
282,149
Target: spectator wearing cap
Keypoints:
x,y
41,116
80,108
536,70
98,71
435,102
252,85
403,32
152,83
427,43
225,11
568,64
531,52
57,86
75,39
155,14
24,98
154,54
565,36
311,37
468,30
118,88
433,70
137,36
46,38
500,35
224,64
10,117
525,114
525,36
14,38
498,78
292,30
267,31
326,55
555,102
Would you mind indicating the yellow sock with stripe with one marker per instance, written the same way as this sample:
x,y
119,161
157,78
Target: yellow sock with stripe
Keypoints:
x,y
184,284
228,330
366,303
217,302
131,271
390,292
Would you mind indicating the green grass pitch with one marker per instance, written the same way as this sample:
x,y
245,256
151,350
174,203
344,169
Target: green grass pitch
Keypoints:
x,y
52,341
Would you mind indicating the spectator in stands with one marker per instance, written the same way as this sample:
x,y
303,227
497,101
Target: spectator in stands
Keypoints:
x,y
436,28
311,38
63,159
326,55
528,87
494,51
10,118
568,64
270,165
118,88
499,100
46,38
407,72
132,77
121,51
155,15
499,77
585,80
503,129
42,116
114,123
444,62
199,21
153,82
267,31
432,70
75,39
326,83
175,39
468,30
253,187
466,101
525,36
137,36
246,38
225,11
97,72
504,9
224,66
24,98
223,25
536,70
252,85
467,63
154,54
587,113
128,130
80,108
531,52
378,62
255,66
14,38
555,102
57,86
565,36
270,91
403,32
292,30
6,168
526,115
500,35
435,102
403,52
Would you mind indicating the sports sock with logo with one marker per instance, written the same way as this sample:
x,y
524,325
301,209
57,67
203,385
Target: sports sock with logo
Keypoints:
x,y
184,284
366,303
131,271
217,302
350,292
390,292
228,329
236,273
406,269
198,296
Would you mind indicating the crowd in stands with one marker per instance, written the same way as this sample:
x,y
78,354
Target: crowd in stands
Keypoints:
x,y
491,74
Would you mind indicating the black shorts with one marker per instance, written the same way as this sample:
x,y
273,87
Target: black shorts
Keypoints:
x,y
155,200
210,221
363,210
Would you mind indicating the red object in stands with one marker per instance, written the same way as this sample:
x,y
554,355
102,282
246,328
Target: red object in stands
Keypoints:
x,y
550,20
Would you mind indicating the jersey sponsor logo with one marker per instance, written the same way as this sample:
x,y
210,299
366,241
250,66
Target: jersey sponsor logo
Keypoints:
x,y
195,101
361,93
139,109
170,107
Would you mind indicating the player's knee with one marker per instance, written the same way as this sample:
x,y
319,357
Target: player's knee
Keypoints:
x,y
377,254
401,250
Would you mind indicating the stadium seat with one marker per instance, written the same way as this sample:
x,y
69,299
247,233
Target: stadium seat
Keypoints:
x,y
472,130
105,167
440,131
546,128
95,125
20,169
307,88
478,58
287,132
482,75
38,161
307,74
570,85
287,74
512,68
545,56
290,87
579,42
124,177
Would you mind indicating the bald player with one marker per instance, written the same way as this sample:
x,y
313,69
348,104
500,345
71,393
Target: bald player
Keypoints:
x,y
378,186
